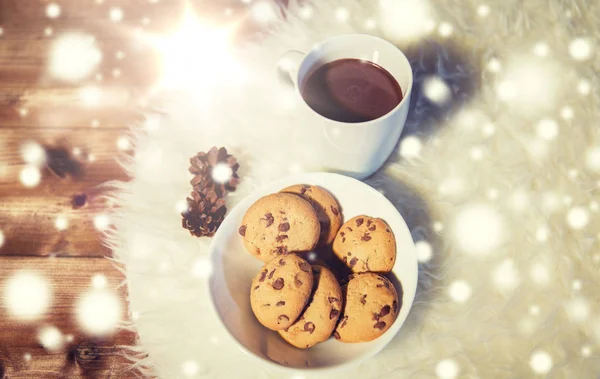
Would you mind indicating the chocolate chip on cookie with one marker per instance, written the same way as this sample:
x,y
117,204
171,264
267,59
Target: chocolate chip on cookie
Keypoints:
x,y
369,309
320,316
369,241
278,224
285,287
327,208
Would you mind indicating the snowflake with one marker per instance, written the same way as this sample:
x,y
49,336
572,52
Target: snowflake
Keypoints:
x,y
494,65
263,12
221,173
488,129
476,153
447,369
567,113
584,87
483,10
478,229
73,57
506,276
541,49
577,309
123,143
306,12
30,176
99,281
578,218
190,368
534,310
90,96
492,193
460,291
115,14
370,24
436,90
27,295
540,274
202,268
424,251
61,223
98,312
51,338
452,187
101,222
342,14
592,158
53,10
410,147
541,362
33,153
547,129
581,48
542,233
445,29
586,350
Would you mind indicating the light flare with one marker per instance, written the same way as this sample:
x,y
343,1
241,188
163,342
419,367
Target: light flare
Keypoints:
x,y
196,55
404,20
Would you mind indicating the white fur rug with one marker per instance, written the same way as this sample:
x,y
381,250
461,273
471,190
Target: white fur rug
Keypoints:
x,y
496,175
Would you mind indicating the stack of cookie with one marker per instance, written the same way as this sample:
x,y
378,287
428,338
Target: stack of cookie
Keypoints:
x,y
305,303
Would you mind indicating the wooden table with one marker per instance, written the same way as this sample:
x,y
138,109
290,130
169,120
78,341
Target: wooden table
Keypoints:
x,y
49,229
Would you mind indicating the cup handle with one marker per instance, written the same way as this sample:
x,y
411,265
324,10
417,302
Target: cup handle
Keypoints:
x,y
287,67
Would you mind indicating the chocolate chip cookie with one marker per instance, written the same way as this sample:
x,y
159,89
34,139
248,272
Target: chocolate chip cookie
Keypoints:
x,y
279,224
327,208
366,244
318,320
371,307
281,290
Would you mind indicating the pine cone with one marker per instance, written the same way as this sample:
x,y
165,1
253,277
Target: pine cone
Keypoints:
x,y
205,213
203,164
206,207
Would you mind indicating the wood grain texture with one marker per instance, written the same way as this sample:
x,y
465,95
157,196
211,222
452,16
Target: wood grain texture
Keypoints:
x,y
69,278
34,106
28,363
28,215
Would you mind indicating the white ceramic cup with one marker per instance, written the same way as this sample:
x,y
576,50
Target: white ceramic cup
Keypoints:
x,y
353,149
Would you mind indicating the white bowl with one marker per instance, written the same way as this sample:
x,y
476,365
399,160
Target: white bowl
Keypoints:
x,y
233,269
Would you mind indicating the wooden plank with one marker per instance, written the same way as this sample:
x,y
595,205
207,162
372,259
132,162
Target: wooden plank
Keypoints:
x,y
70,106
30,230
68,278
17,12
28,215
66,117
84,361
90,157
